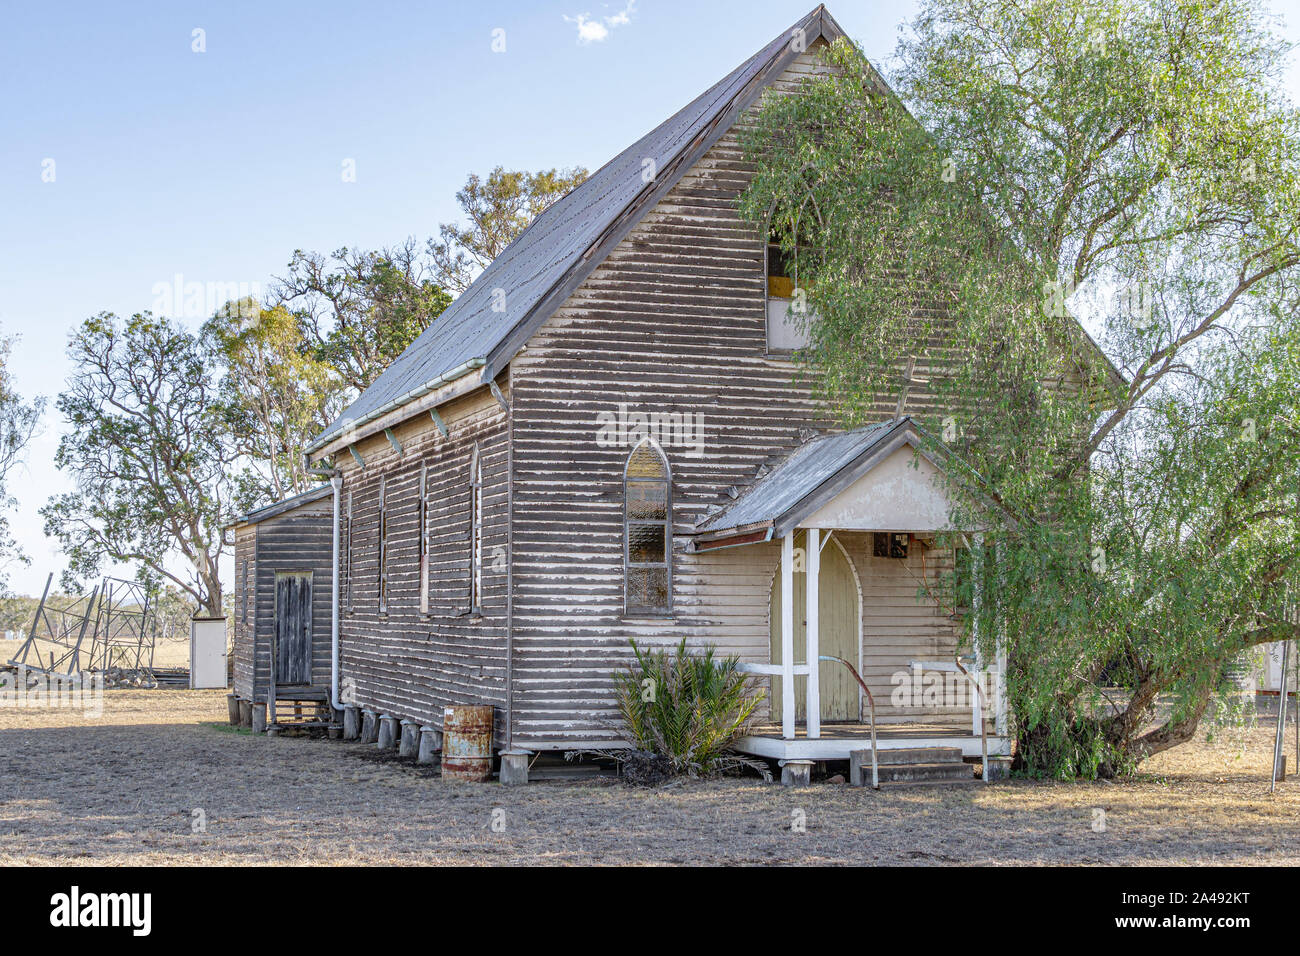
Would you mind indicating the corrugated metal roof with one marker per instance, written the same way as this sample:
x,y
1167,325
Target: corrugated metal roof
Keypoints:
x,y
804,471
536,262
287,504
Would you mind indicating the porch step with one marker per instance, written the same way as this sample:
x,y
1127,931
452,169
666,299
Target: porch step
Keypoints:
x,y
911,765
921,773
916,755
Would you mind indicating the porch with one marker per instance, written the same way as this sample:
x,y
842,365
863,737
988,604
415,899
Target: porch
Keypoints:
x,y
855,515
837,741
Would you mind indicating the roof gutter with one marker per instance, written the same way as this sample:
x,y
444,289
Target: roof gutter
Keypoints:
x,y
733,539
449,376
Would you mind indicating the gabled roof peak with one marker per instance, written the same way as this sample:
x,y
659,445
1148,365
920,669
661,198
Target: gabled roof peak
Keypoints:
x,y
484,328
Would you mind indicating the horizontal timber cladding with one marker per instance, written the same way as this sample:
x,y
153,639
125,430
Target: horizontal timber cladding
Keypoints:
x,y
404,662
673,321
297,541
245,608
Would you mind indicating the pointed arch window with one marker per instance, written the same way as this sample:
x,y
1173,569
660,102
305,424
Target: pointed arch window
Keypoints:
x,y
647,532
792,253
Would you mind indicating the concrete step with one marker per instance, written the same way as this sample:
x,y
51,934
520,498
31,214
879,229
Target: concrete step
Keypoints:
x,y
916,755
921,773
911,765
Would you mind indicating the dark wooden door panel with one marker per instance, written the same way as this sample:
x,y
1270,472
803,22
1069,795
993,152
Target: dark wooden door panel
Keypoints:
x,y
293,628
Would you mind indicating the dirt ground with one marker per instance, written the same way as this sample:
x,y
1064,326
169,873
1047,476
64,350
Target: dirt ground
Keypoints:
x,y
133,785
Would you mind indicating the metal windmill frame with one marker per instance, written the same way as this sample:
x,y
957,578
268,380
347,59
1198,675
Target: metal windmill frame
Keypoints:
x,y
110,628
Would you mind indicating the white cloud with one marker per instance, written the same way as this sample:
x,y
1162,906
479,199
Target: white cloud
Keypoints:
x,y
596,29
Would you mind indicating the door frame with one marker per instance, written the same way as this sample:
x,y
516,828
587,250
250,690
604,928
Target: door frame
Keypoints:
x,y
831,537
277,678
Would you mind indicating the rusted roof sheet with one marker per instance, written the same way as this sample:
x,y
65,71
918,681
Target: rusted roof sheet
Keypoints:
x,y
507,293
776,498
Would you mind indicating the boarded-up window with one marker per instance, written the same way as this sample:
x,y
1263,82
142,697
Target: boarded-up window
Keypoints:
x,y
475,530
383,548
422,510
647,539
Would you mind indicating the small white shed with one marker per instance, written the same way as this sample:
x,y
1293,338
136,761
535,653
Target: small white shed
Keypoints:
x,y
1273,668
207,653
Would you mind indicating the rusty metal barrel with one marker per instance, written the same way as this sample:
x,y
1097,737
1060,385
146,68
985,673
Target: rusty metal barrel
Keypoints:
x,y
467,742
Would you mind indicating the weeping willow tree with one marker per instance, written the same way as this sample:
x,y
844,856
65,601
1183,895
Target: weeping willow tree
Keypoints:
x,y
1032,165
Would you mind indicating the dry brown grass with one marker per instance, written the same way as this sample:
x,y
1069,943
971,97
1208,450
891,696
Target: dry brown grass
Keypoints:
x,y
122,788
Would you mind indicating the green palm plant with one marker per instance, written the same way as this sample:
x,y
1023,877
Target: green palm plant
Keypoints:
x,y
689,708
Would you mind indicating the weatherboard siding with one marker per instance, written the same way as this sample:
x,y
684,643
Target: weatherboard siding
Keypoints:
x,y
672,321
404,662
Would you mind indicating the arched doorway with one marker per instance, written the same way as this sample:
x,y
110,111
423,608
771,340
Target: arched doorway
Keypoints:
x,y
839,633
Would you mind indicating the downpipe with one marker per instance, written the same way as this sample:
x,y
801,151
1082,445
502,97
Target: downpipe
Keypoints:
x,y
337,482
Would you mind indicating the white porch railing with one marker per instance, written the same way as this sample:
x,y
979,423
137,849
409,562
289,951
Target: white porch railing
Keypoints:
x,y
787,670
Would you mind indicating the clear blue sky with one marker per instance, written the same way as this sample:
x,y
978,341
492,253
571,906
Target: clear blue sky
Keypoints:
x,y
215,166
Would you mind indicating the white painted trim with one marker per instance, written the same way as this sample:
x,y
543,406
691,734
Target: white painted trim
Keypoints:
x,y
787,636
832,748
977,604
1000,687
862,634
812,611
770,670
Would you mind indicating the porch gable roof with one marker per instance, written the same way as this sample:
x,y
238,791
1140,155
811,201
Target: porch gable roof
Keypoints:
x,y
808,480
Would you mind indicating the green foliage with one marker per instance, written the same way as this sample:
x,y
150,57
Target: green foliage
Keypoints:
x,y
687,707
499,208
359,310
144,444
275,396
18,420
1137,164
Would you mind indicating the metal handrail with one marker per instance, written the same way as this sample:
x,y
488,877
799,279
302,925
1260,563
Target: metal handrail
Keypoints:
x,y
984,733
871,712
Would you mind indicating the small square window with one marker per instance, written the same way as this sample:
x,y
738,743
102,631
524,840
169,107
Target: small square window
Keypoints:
x,y
890,544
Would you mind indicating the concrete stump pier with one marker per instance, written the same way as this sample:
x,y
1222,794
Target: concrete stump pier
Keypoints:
x,y
351,722
410,739
369,726
387,732
796,773
259,718
514,767
430,745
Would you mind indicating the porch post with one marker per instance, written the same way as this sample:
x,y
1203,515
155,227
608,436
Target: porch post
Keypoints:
x,y
977,603
813,642
1000,689
787,636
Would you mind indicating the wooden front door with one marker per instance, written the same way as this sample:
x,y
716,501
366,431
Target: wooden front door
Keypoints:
x,y
293,628
839,635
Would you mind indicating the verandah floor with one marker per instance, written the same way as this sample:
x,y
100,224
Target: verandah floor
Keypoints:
x,y
838,739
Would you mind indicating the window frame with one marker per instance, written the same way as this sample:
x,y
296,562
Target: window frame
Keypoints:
x,y
475,532
243,588
770,349
645,611
382,547
347,557
422,509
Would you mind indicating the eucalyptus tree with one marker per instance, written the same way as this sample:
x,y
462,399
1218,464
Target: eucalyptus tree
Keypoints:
x,y
19,419
1135,163
145,447
274,396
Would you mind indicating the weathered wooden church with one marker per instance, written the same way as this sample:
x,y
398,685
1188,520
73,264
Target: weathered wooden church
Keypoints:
x,y
603,439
